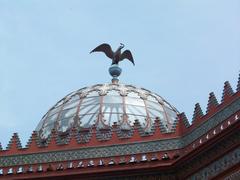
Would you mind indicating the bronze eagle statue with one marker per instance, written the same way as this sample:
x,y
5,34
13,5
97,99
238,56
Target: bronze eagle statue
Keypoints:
x,y
116,56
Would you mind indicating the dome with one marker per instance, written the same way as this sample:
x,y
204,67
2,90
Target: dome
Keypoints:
x,y
104,105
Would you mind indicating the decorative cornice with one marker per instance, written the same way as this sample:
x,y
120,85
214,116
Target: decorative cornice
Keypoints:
x,y
212,122
96,152
233,176
211,153
124,149
161,158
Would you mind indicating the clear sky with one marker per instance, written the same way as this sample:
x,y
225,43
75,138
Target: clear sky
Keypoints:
x,y
183,50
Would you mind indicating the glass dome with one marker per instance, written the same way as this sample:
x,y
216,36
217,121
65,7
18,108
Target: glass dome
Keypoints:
x,y
103,105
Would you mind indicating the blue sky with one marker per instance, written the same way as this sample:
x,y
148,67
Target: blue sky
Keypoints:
x,y
183,50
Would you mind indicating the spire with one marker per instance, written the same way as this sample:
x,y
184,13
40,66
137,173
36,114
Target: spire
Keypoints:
x,y
227,91
14,143
197,112
212,102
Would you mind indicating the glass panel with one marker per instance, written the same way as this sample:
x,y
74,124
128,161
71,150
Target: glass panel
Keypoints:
x,y
106,108
154,113
167,105
162,117
134,101
39,126
153,99
74,98
114,108
47,130
107,118
52,118
114,117
112,99
91,101
171,115
48,123
68,112
88,120
65,124
133,94
55,110
92,94
154,105
89,109
136,110
71,104
113,93
59,103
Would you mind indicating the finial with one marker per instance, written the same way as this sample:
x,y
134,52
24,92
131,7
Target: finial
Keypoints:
x,y
115,72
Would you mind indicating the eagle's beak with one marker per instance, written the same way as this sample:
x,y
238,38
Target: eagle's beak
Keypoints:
x,y
122,45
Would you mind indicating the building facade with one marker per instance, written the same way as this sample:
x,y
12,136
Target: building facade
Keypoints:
x,y
117,131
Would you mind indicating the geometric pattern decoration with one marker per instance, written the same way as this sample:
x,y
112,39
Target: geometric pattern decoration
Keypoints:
x,y
218,166
124,149
95,152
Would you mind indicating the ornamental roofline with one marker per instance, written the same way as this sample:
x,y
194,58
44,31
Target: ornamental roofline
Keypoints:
x,y
111,136
211,138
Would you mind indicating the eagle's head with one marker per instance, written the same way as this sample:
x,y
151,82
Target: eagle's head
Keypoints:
x,y
121,45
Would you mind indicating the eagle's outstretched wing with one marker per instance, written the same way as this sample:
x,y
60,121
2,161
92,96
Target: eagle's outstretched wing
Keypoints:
x,y
127,55
106,48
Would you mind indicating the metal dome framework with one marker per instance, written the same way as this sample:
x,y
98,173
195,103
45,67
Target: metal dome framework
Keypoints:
x,y
103,105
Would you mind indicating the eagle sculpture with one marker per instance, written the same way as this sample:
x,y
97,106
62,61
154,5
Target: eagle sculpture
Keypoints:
x,y
116,56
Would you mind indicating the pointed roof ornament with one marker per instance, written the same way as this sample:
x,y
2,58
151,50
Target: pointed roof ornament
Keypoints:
x,y
227,91
238,85
33,140
198,113
14,142
212,102
117,56
52,140
184,119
